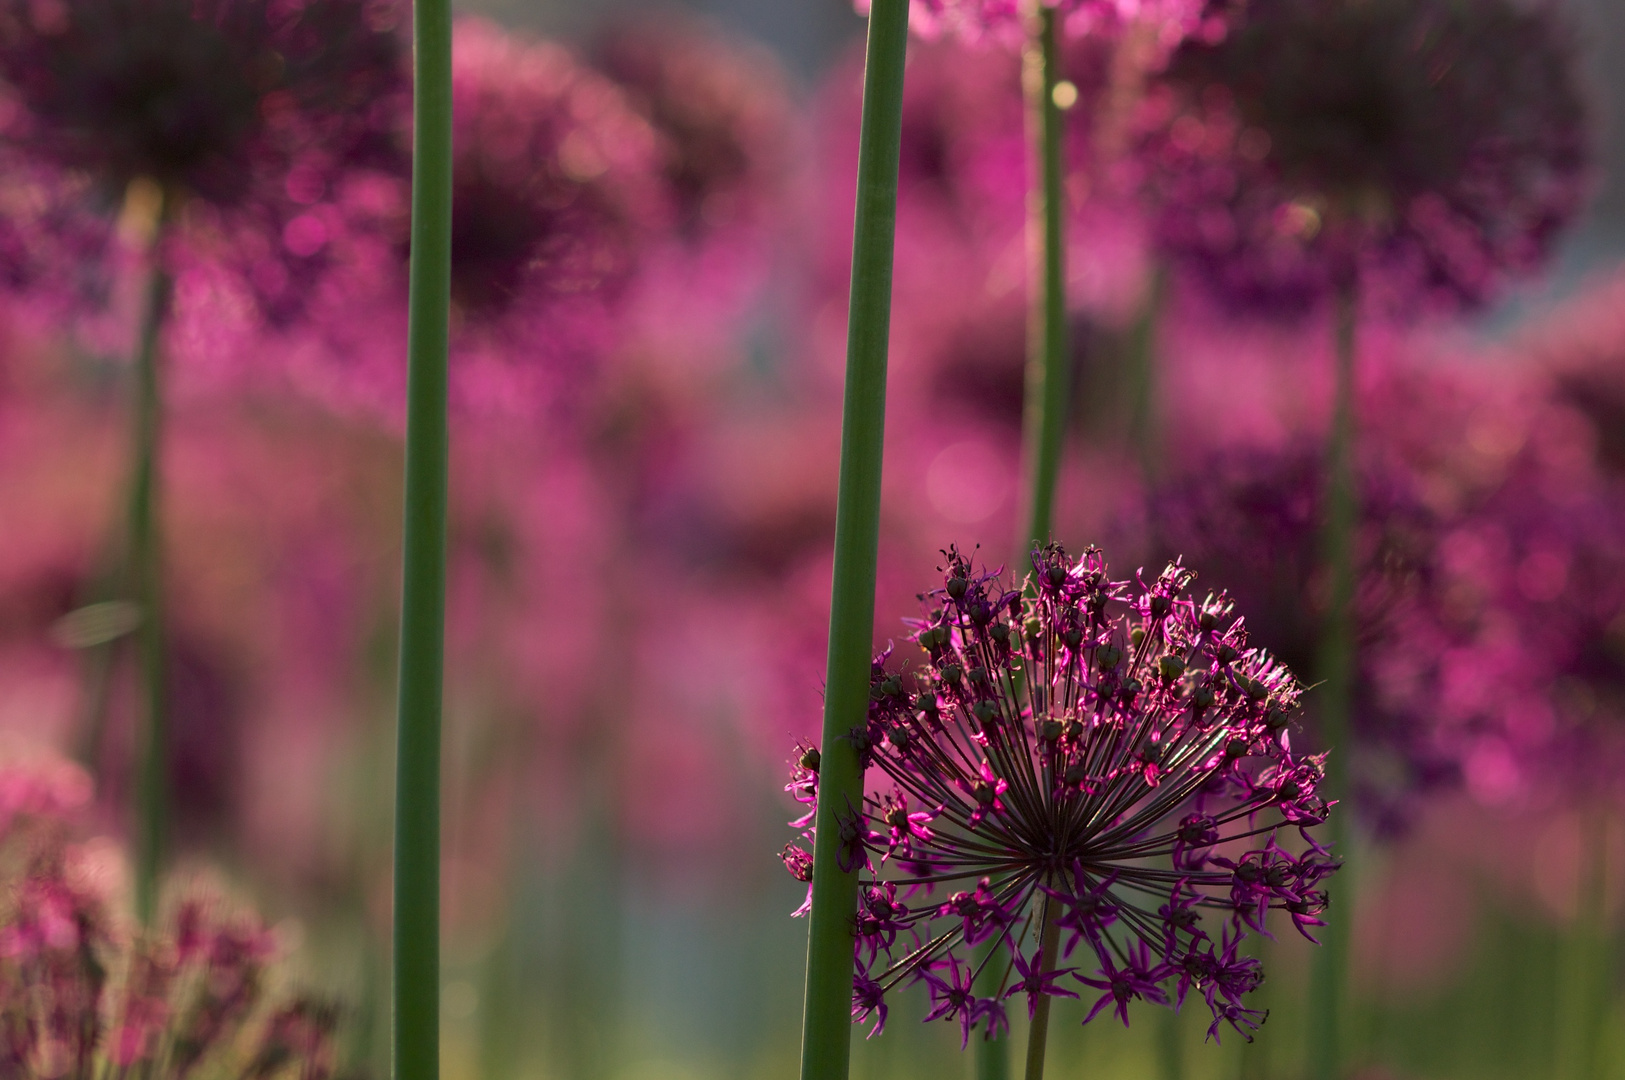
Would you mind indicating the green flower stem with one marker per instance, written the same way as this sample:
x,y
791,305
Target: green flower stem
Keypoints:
x,y
1584,982
992,1055
1038,1030
1336,669
1170,1046
827,1025
1254,1063
1144,435
1045,414
423,593
145,576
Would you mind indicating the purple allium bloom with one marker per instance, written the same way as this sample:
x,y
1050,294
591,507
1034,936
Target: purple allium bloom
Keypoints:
x,y
246,110
556,191
1251,518
1431,148
1068,742
721,107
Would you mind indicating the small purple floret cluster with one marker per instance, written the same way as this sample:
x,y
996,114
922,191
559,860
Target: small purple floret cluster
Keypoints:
x,y
1108,757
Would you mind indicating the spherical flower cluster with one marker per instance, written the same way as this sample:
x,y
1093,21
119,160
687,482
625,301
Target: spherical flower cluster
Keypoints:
x,y
1428,148
247,109
1110,761
556,188
720,106
1251,517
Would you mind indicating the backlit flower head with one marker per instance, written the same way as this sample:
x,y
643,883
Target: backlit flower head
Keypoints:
x,y
246,110
722,109
1113,755
1252,519
555,190
1430,147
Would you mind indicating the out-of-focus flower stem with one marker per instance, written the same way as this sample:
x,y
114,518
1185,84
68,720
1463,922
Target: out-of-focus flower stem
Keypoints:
x,y
1046,396
1584,980
1038,1030
1045,399
1170,1046
145,569
992,1054
417,769
1336,663
827,1023
1142,372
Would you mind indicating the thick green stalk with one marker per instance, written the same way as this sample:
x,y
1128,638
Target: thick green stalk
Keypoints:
x,y
826,1041
423,593
1038,1030
145,580
1336,670
1045,413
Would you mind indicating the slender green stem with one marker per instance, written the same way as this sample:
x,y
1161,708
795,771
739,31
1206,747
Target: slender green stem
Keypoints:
x,y
1336,670
992,1055
145,578
1038,1031
826,1042
1584,990
1255,1053
417,765
1170,1046
1142,364
1046,396
1044,412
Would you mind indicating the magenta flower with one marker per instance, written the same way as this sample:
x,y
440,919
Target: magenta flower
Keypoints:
x,y
248,110
722,110
83,995
1432,148
556,191
1087,750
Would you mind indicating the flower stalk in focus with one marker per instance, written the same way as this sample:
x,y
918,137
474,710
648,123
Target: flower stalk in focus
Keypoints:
x,y
826,1032
416,969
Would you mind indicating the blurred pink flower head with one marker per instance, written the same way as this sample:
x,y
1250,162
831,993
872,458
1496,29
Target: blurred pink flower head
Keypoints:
x,y
556,192
244,111
1429,148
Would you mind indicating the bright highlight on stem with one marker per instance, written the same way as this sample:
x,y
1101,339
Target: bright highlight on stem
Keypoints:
x,y
827,1024
417,769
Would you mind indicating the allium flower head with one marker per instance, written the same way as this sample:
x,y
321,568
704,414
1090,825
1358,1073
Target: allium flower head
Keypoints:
x,y
1114,759
1252,519
555,189
1439,144
249,108
722,109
